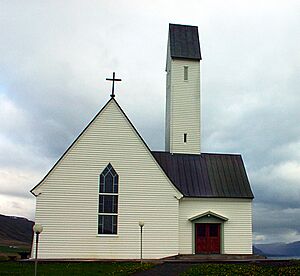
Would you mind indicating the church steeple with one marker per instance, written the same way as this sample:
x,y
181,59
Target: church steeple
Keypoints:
x,y
182,134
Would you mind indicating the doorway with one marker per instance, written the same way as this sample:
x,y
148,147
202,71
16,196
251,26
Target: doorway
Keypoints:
x,y
207,238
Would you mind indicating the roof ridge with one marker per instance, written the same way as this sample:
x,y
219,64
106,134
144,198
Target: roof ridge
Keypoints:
x,y
184,25
221,153
196,154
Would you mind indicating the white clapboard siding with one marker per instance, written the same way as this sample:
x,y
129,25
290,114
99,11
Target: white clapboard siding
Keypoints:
x,y
183,106
168,99
68,204
237,230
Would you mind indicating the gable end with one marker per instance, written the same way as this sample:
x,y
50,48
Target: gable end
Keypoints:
x,y
179,194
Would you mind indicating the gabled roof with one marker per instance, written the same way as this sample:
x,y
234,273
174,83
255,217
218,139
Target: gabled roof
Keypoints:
x,y
57,162
184,42
208,214
206,175
83,131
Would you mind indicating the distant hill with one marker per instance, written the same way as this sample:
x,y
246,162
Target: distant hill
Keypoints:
x,y
278,249
15,231
257,251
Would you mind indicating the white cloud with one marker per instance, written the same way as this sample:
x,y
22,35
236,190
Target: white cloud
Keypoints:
x,y
17,206
12,117
258,238
18,182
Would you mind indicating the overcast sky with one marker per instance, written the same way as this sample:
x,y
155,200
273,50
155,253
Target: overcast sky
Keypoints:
x,y
55,56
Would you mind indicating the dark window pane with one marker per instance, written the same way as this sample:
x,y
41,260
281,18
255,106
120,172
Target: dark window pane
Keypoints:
x,y
107,224
101,204
213,230
116,181
115,204
115,223
108,186
101,187
100,224
112,171
186,73
106,170
201,230
108,204
109,180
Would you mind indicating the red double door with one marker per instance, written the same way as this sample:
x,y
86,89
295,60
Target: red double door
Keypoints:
x,y
207,238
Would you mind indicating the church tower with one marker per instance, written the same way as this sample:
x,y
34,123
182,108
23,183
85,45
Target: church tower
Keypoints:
x,y
182,134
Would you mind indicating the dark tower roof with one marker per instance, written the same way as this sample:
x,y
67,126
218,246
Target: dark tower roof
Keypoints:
x,y
184,42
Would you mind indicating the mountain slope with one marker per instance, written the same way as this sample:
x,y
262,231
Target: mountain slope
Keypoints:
x,y
15,231
280,249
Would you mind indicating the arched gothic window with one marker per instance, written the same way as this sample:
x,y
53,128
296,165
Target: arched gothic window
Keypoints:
x,y
108,201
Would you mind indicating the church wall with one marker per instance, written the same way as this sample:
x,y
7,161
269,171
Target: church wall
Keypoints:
x,y
168,100
184,106
68,204
237,230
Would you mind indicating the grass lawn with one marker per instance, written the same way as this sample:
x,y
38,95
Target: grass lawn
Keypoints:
x,y
7,249
12,253
245,269
93,268
97,268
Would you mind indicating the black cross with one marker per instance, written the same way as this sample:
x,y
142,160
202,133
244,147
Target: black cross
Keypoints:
x,y
113,84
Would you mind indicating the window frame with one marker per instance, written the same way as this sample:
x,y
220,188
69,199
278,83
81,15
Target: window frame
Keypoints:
x,y
103,193
185,138
185,73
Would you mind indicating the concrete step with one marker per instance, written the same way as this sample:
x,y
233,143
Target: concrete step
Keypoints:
x,y
214,257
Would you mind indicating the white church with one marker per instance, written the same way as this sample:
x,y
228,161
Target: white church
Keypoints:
x,y
92,200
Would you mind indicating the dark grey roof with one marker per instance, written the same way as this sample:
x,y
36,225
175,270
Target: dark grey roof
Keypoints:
x,y
207,174
184,41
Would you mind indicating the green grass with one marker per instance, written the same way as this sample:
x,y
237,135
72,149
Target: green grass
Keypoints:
x,y
244,269
10,253
7,249
97,268
88,268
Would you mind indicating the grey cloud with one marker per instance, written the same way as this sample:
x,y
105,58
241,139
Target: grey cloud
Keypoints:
x,y
56,56
276,223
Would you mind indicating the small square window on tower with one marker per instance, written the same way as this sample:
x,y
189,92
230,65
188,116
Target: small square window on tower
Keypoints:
x,y
185,138
185,73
